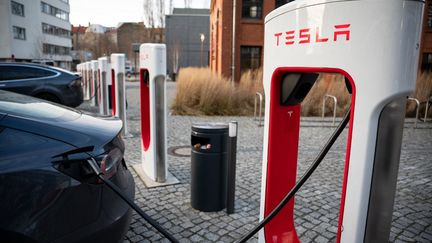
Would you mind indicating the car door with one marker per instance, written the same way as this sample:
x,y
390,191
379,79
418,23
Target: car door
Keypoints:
x,y
23,79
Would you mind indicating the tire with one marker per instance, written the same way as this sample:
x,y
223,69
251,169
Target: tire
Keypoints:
x,y
49,97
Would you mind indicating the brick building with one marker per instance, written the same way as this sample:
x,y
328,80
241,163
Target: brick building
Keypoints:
x,y
249,36
425,63
132,33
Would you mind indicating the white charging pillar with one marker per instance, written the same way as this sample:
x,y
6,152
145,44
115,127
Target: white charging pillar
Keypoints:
x,y
375,45
119,82
153,110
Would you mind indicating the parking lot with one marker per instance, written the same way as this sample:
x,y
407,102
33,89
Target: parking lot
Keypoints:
x,y
316,204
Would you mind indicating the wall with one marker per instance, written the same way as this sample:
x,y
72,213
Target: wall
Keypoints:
x,y
183,37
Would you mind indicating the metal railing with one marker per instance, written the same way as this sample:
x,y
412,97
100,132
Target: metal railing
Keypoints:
x,y
334,107
260,96
427,108
417,109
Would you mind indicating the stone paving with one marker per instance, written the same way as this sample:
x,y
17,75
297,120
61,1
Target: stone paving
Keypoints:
x,y
316,205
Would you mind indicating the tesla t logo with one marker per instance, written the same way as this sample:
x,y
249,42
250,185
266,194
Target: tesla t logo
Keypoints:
x,y
309,35
290,113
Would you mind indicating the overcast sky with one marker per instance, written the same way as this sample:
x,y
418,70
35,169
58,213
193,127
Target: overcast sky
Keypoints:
x,y
110,13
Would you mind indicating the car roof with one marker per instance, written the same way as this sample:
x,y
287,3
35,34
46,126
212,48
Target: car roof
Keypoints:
x,y
36,65
32,108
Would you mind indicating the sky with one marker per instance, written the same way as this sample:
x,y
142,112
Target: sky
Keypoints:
x,y
110,13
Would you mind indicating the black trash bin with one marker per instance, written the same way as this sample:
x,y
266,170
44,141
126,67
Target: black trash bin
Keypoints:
x,y
209,166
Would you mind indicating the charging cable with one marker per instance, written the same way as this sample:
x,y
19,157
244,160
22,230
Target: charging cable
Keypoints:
x,y
302,180
95,167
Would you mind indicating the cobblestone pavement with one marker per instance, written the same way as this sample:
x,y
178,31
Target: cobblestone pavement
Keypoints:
x,y
316,205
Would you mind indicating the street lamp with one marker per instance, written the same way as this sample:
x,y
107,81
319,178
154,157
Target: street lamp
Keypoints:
x,y
202,38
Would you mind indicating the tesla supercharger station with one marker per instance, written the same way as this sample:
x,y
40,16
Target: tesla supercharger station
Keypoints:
x,y
153,113
119,87
89,86
105,80
375,45
94,82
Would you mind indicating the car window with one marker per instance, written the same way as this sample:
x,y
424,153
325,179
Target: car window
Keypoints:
x,y
21,72
29,107
12,140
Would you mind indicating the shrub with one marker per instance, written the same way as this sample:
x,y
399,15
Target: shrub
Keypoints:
x,y
422,92
332,84
202,92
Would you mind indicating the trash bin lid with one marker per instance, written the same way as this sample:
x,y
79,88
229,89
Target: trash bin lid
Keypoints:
x,y
210,127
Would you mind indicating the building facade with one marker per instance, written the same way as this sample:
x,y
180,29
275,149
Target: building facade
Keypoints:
x,y
36,31
131,34
187,38
249,35
425,62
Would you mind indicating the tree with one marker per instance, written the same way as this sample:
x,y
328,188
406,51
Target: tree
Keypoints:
x,y
148,13
187,3
98,44
160,7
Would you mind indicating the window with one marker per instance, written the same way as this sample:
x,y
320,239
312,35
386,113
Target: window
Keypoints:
x,y
14,141
54,30
252,9
250,57
279,3
56,12
426,64
55,50
19,33
17,8
15,72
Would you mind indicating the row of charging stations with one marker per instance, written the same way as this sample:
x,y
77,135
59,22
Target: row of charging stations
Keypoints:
x,y
104,85
108,75
375,45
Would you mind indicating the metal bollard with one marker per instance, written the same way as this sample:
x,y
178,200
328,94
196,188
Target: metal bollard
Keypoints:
x,y
427,108
417,109
260,96
334,107
232,162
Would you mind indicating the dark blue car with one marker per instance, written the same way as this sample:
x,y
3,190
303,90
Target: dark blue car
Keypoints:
x,y
41,81
48,193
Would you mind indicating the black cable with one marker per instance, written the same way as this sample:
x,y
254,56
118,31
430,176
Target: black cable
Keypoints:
x,y
118,191
302,180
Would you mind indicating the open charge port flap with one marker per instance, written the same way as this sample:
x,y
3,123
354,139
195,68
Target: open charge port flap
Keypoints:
x,y
295,87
